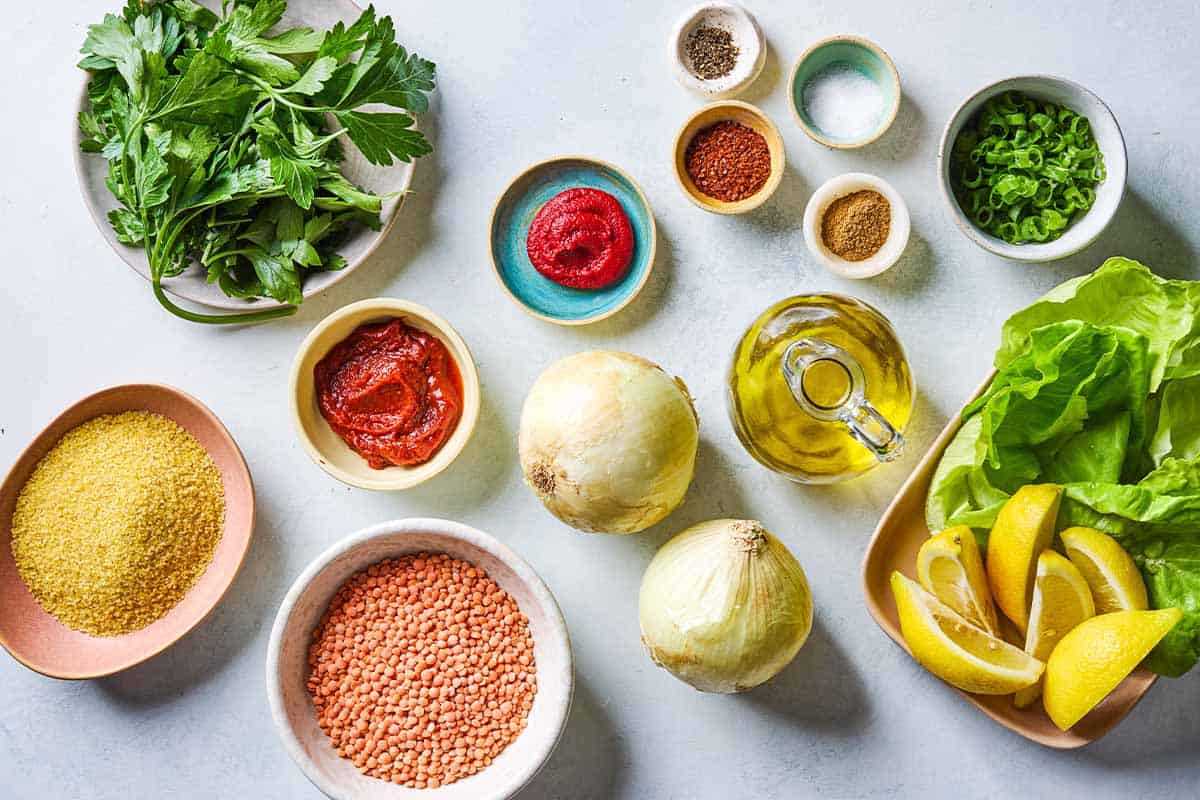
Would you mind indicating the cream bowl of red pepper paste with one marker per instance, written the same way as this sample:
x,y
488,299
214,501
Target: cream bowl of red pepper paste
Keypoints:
x,y
384,394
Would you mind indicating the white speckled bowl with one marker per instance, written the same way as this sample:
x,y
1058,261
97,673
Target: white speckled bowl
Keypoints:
x,y
306,601
1087,228
747,37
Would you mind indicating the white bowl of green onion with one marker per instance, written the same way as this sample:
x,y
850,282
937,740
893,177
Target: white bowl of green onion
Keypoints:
x,y
1033,167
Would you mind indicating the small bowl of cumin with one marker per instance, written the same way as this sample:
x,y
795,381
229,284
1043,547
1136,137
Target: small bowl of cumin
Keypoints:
x,y
729,157
856,225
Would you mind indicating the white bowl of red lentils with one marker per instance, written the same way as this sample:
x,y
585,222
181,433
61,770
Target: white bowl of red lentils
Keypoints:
x,y
419,658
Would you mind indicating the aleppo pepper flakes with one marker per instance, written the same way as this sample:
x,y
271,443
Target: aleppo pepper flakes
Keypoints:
x,y
728,161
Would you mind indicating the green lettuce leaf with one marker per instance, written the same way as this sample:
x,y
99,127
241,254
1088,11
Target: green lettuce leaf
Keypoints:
x,y
1125,294
1177,432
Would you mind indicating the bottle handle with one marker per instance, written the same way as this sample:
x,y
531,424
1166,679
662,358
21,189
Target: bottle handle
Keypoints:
x,y
863,421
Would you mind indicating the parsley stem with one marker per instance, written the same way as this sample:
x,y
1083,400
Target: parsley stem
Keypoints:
x,y
220,319
278,97
208,259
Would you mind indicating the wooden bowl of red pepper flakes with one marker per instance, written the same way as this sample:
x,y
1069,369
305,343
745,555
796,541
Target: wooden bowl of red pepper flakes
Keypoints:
x,y
729,157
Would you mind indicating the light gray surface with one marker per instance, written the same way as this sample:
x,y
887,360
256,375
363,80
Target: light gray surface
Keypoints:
x,y
853,716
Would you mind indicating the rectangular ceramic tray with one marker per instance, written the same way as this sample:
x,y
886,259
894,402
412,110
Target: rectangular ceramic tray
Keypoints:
x,y
899,536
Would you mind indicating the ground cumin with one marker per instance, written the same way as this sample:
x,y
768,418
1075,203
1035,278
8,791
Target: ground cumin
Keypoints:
x,y
728,161
117,522
854,227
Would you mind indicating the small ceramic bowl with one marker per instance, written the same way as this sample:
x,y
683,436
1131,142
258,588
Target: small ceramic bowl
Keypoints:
x,y
324,446
845,52
745,114
1086,229
747,38
513,213
392,181
841,186
306,602
42,643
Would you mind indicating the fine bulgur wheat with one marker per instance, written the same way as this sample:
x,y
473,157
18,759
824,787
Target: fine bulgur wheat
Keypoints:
x,y
117,522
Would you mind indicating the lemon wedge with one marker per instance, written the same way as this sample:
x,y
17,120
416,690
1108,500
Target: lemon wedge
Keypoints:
x,y
950,568
1093,658
955,650
1024,528
1114,578
1061,600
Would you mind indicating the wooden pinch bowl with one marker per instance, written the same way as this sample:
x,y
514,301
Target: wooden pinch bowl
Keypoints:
x,y
744,114
894,546
38,640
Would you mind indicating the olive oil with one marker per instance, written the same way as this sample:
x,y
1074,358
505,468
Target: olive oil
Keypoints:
x,y
820,389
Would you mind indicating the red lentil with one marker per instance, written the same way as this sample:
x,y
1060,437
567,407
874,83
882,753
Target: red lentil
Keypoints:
x,y
422,670
728,161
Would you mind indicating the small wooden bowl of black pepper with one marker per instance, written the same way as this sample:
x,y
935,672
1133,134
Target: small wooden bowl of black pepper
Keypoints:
x,y
729,157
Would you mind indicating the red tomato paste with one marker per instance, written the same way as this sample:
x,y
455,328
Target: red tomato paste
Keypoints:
x,y
392,392
581,239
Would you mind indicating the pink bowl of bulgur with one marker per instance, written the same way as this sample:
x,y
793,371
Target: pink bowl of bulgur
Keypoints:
x,y
43,641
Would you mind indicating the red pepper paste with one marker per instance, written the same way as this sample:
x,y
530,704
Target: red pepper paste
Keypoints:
x,y
392,392
581,239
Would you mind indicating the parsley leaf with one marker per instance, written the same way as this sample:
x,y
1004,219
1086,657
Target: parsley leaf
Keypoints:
x,y
384,135
313,80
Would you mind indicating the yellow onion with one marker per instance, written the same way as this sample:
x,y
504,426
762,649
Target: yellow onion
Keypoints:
x,y
724,606
608,441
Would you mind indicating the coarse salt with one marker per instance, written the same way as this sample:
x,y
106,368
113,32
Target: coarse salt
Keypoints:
x,y
842,102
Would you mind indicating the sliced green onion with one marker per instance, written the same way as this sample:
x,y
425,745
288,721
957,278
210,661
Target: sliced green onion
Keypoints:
x,y
1025,170
1053,220
1033,228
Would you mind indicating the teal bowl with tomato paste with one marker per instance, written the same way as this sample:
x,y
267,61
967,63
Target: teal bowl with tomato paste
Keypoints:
x,y
514,213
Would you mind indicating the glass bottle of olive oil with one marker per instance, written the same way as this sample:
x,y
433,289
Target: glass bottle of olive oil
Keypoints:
x,y
819,389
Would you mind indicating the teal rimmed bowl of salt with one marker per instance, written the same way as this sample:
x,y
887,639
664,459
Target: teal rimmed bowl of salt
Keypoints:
x,y
844,92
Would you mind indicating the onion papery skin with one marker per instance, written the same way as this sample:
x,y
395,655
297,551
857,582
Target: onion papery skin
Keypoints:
x,y
724,606
608,441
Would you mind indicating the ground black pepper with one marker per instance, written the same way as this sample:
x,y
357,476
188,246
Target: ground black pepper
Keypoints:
x,y
711,52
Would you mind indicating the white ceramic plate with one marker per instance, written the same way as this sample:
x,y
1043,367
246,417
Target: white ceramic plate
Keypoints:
x,y
191,285
1087,228
306,601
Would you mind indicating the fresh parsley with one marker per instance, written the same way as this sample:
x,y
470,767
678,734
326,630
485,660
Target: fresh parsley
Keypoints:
x,y
222,137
